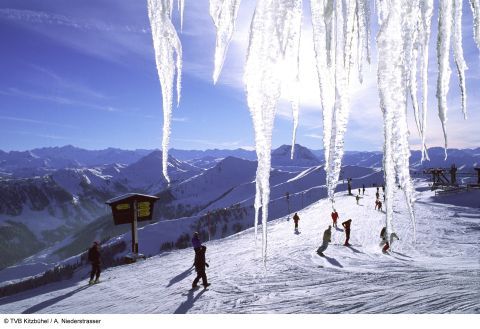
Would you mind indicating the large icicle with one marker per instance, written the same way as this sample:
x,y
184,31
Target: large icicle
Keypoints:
x,y
291,86
475,5
167,46
458,53
392,84
271,32
426,9
443,56
323,28
340,113
224,14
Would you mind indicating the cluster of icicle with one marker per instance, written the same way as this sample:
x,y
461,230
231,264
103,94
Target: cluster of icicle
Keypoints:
x,y
341,37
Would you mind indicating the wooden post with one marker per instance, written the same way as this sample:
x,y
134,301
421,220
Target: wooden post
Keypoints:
x,y
478,172
134,228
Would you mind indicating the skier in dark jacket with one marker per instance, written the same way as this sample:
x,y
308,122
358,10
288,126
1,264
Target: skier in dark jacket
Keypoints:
x,y
363,189
196,241
296,218
94,259
200,264
346,225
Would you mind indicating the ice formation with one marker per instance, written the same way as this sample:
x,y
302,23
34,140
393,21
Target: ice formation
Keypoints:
x,y
458,53
274,29
341,38
224,14
168,57
339,29
475,5
443,56
393,52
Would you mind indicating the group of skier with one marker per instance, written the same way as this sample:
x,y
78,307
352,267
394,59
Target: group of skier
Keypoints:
x,y
200,263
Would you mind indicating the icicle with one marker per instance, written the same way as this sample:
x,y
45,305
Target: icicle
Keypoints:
x,y
344,38
426,8
224,14
271,32
392,84
411,46
458,53
166,45
181,7
363,34
323,28
295,111
443,55
291,86
475,5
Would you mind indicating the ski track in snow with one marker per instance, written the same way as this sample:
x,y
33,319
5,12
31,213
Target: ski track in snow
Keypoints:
x,y
439,275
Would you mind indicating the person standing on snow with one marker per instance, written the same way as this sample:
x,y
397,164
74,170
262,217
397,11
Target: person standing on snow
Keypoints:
x,y
386,243
327,238
296,218
94,259
200,264
357,198
346,225
379,205
196,243
334,218
363,189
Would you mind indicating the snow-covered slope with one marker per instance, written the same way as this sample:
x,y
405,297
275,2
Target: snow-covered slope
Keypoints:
x,y
438,274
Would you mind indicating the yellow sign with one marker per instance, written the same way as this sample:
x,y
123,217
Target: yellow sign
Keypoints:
x,y
143,205
123,206
143,212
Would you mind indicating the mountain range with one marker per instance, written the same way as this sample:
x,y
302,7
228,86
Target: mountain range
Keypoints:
x,y
54,198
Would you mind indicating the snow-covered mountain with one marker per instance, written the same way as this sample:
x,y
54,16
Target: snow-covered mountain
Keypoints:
x,y
303,157
49,208
43,160
432,276
215,153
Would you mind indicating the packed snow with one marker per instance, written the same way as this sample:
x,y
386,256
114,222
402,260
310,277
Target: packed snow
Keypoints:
x,y
438,274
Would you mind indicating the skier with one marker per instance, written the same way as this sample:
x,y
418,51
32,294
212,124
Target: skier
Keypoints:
x,y
327,237
196,241
359,191
377,195
379,205
357,197
376,204
200,264
378,189
346,225
94,259
363,189
296,218
386,243
334,218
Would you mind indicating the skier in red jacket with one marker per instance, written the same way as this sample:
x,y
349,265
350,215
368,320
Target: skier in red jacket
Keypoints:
x,y
334,217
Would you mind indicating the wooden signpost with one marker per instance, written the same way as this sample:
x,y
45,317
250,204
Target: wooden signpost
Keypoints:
x,y
132,208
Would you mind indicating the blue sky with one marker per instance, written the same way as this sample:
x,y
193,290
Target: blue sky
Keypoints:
x,y
83,73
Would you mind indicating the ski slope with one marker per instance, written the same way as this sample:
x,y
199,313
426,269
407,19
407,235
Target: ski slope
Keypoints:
x,y
440,274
